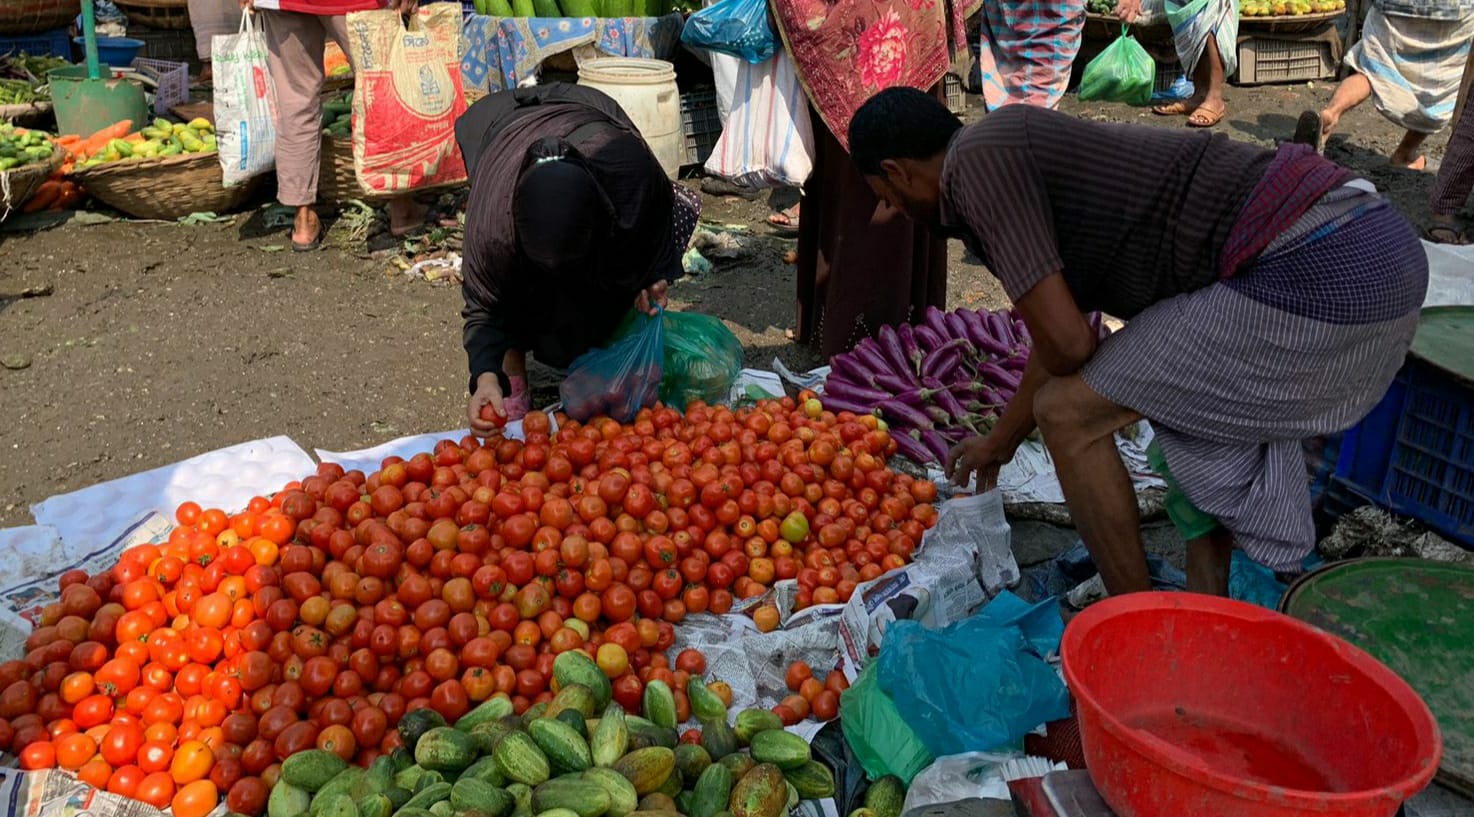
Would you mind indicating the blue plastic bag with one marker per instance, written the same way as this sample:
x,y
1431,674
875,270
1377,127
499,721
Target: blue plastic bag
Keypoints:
x,y
620,379
976,685
739,28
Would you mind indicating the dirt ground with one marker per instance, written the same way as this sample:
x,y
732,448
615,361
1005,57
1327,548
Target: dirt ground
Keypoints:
x,y
156,342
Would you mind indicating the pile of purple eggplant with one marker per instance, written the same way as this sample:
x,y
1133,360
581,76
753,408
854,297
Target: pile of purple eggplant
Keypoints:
x,y
935,383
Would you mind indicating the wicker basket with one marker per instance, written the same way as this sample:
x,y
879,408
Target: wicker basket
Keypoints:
x,y
32,16
160,14
166,188
17,186
337,181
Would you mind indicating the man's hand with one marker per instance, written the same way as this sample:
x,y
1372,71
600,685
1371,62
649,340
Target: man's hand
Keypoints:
x,y
248,5
1128,10
405,6
488,393
981,455
652,300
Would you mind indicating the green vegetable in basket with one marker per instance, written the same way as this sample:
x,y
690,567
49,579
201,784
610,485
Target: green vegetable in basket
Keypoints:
x,y
21,146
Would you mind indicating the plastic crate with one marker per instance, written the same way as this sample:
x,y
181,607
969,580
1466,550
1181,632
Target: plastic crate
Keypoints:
x,y
1263,61
166,44
1414,453
956,97
173,80
1167,73
54,43
701,124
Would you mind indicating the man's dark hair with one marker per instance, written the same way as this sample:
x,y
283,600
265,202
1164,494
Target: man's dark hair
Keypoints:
x,y
900,123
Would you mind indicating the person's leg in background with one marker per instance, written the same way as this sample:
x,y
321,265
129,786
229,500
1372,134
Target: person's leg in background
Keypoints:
x,y
1454,183
1352,91
1210,77
295,45
405,214
210,19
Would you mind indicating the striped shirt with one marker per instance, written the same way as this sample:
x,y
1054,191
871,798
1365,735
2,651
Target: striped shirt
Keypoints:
x,y
1131,215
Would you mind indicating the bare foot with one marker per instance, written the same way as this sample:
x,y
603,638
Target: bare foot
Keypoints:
x,y
306,230
785,220
1397,159
406,216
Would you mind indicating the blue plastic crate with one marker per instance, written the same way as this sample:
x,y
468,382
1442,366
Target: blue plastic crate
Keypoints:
x,y
55,43
1414,454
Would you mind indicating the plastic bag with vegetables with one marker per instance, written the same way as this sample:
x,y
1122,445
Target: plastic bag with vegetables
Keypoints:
x,y
702,359
1123,72
620,379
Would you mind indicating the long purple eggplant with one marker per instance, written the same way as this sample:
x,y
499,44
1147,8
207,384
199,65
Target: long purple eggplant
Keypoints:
x,y
956,328
907,335
936,444
936,320
893,383
838,404
1014,363
948,403
911,448
928,338
940,417
890,346
981,337
945,359
869,356
852,367
855,394
999,376
905,415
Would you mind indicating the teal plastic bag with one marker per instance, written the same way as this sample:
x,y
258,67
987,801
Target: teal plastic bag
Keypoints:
x,y
880,738
975,685
1123,72
702,359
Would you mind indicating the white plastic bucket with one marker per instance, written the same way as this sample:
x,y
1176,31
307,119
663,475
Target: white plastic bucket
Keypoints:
x,y
646,91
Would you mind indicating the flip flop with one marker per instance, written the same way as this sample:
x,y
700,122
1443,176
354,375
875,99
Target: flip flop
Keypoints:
x,y
314,244
1310,130
1172,109
1205,118
1453,235
788,225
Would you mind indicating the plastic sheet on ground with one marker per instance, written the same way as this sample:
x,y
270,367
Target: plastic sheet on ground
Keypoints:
x,y
980,775
1449,280
963,561
29,583
369,459
1436,801
226,478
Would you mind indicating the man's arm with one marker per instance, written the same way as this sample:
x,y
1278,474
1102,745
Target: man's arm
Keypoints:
x,y
1063,339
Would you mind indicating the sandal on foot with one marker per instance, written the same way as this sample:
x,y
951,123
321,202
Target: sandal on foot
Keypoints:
x,y
1172,109
1205,117
1310,130
313,245
785,222
1443,234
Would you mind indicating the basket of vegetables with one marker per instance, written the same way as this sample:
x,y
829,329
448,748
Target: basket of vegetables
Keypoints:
x,y
24,94
165,171
27,159
160,14
32,16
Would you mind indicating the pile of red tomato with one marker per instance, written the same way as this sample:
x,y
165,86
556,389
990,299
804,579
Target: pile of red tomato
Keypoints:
x,y
322,615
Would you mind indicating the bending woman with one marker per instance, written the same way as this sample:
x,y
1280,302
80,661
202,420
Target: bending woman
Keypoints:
x,y
570,221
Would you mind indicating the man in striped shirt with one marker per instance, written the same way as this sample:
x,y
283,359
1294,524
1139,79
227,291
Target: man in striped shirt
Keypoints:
x,y
1270,296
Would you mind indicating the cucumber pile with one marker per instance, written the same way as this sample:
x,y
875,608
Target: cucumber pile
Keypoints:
x,y
20,147
578,755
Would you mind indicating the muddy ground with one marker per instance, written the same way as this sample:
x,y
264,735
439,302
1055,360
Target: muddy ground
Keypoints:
x,y
156,342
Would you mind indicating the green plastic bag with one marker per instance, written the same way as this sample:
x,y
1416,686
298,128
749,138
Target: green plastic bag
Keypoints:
x,y
1123,72
702,359
880,738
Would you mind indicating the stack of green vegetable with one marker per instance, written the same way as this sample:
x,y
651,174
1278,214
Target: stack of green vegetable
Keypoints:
x,y
578,755
337,116
580,8
23,78
20,147
1101,6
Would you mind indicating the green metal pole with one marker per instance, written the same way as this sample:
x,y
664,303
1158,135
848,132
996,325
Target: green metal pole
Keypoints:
x,y
89,35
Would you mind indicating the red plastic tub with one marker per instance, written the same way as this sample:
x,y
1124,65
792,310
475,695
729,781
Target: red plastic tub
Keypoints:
x,y
1194,706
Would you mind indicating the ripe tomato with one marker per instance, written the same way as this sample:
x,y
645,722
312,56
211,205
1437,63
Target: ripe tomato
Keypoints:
x,y
156,789
195,799
121,744
192,761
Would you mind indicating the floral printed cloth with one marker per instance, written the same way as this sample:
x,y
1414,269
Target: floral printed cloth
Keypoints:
x,y
847,51
501,52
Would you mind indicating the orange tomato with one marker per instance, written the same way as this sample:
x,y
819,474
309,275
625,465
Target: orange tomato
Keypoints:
x,y
73,751
195,799
95,773
156,789
192,761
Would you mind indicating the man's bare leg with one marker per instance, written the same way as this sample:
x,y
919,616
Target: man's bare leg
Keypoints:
x,y
1208,561
1079,427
